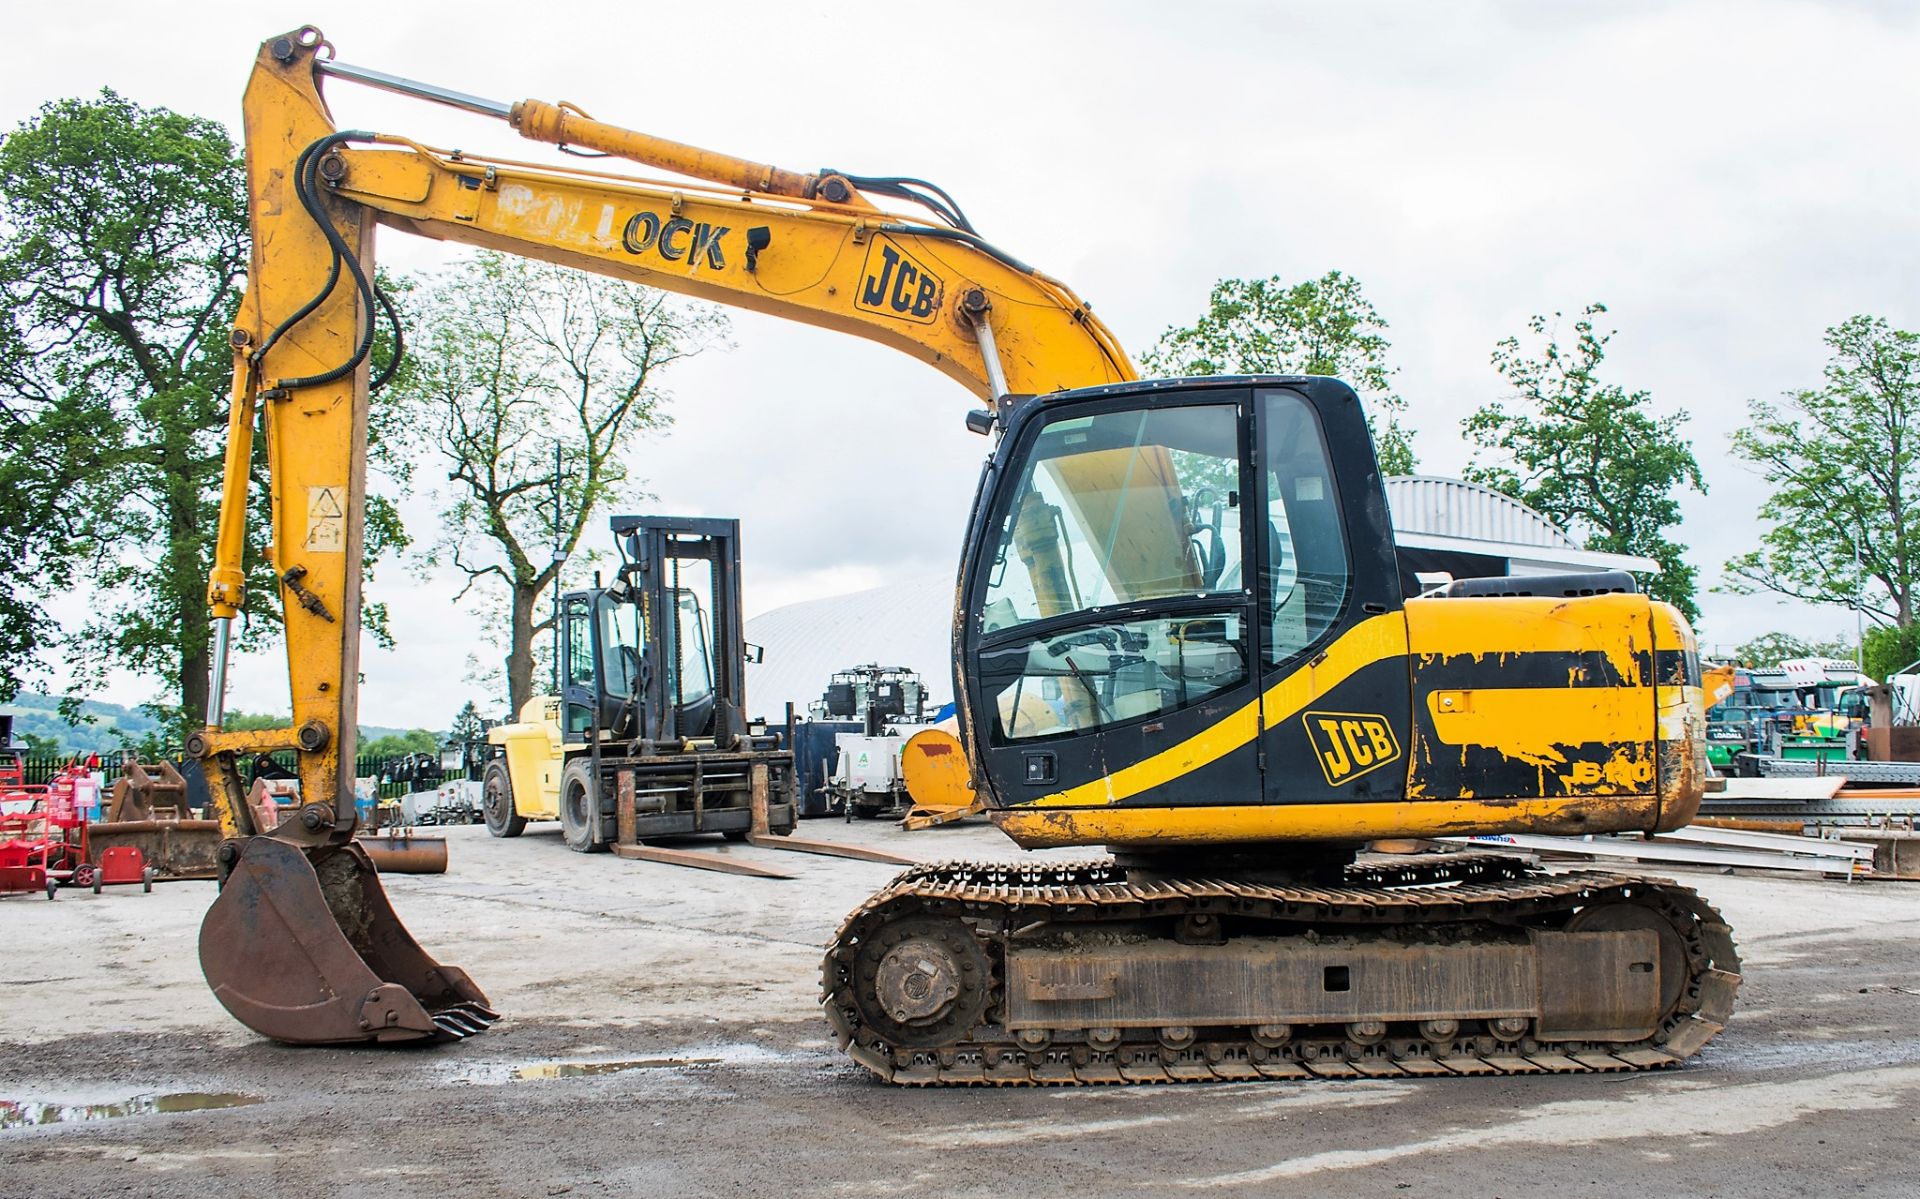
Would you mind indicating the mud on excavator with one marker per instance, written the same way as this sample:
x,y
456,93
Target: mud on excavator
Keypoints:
x,y
1179,634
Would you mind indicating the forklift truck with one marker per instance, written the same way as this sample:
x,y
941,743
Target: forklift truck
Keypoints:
x,y
648,736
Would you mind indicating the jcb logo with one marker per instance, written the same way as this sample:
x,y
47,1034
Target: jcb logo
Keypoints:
x,y
1349,744
898,285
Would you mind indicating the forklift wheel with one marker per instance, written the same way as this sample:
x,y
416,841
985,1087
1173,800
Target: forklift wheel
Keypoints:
x,y
84,875
53,885
146,880
734,834
99,880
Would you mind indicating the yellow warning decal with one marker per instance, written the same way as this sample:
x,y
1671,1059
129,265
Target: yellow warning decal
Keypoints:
x,y
326,520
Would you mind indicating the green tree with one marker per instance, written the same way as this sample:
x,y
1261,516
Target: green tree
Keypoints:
x,y
249,722
1890,648
1771,649
123,251
122,254
468,725
413,741
1842,462
1323,326
515,361
1590,456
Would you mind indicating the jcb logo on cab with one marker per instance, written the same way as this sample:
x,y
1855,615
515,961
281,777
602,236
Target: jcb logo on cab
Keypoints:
x,y
1348,744
898,285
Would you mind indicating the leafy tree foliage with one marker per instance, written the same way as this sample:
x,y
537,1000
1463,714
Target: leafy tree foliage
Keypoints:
x,y
1889,648
1588,455
468,725
1323,326
1843,462
1771,649
123,251
250,722
414,741
513,361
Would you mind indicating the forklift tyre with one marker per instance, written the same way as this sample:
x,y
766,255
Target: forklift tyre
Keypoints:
x,y
496,802
580,807
734,834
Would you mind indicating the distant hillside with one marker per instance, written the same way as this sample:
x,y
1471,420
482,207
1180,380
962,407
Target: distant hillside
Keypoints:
x,y
113,725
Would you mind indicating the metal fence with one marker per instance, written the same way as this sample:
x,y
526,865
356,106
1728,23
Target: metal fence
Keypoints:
x,y
43,769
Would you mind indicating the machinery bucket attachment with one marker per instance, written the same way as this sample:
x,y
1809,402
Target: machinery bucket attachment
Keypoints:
x,y
303,947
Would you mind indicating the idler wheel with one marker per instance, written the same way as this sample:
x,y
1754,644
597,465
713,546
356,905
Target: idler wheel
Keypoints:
x,y
922,982
1625,916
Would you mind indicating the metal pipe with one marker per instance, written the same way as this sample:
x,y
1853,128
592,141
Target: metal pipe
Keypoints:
x,y
217,697
408,87
990,354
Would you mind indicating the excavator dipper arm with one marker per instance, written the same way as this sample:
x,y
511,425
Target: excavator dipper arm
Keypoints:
x,y
299,894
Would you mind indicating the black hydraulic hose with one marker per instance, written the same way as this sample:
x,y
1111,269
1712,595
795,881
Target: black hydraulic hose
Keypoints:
x,y
960,235
399,340
902,186
305,310
305,187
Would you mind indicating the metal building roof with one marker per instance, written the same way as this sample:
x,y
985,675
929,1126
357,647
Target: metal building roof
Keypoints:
x,y
1457,508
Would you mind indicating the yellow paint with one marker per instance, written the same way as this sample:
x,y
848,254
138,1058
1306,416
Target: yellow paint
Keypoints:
x,y
1614,625
1051,828
536,756
1533,723
933,764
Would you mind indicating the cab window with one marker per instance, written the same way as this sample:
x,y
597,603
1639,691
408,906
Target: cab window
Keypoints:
x,y
1305,573
1118,510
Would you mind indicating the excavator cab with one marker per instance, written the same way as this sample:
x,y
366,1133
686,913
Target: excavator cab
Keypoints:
x,y
1156,557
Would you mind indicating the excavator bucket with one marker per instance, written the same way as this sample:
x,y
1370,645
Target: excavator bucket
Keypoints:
x,y
303,947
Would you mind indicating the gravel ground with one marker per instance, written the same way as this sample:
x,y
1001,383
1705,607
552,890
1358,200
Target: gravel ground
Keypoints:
x,y
703,987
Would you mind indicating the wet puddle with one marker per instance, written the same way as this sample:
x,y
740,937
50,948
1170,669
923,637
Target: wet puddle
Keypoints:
x,y
20,1113
534,1070
701,1057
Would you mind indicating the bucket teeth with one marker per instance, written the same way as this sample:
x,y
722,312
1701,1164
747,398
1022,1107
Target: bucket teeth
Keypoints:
x,y
464,1020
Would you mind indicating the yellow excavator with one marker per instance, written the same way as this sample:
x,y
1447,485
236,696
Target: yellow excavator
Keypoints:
x,y
1179,633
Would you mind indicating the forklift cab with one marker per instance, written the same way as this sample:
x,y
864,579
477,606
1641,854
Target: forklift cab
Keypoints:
x,y
657,655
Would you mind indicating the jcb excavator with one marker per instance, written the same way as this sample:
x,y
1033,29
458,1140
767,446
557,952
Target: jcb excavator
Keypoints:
x,y
1179,634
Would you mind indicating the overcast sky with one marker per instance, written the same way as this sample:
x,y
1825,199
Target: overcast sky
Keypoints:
x,y
1730,179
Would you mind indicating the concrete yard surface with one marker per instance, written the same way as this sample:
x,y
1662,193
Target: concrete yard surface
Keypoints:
x,y
662,1037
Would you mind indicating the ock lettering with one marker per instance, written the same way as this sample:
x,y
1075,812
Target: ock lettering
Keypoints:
x,y
676,239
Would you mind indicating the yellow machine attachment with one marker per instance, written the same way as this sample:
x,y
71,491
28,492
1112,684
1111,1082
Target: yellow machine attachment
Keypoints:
x,y
934,765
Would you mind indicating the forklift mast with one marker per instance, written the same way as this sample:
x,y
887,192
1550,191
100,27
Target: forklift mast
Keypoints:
x,y
659,656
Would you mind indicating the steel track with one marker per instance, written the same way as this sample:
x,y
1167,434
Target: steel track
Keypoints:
x,y
994,898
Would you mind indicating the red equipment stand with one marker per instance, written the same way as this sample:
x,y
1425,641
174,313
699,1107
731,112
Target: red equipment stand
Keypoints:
x,y
43,838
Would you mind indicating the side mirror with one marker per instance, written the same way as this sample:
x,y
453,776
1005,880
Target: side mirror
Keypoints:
x,y
755,654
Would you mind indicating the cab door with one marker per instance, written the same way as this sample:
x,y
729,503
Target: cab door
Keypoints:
x,y
1110,642
1336,698
579,685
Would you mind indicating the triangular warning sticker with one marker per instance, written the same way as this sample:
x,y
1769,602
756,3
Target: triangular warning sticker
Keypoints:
x,y
324,503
